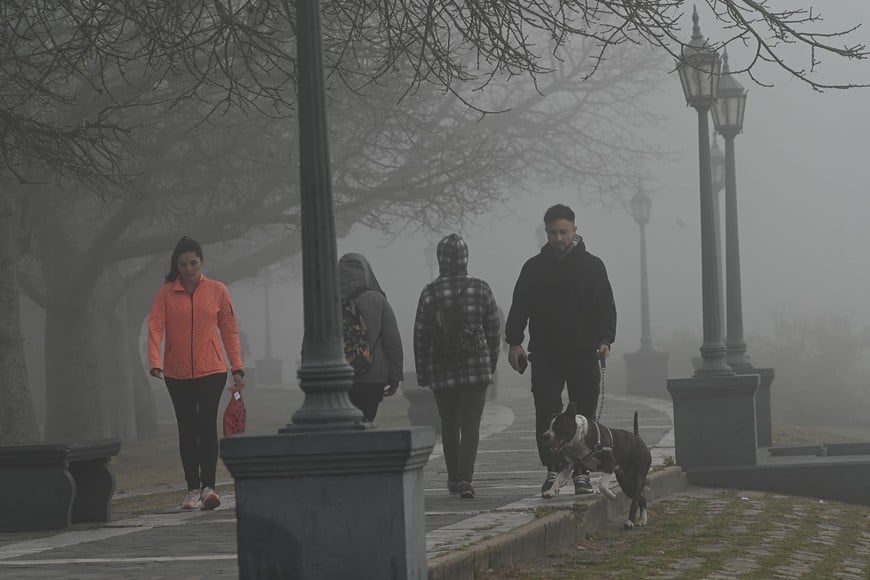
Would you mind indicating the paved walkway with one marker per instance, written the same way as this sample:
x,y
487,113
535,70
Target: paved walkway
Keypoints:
x,y
187,545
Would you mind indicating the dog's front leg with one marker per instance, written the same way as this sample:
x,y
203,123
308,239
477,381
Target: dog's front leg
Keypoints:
x,y
604,486
561,480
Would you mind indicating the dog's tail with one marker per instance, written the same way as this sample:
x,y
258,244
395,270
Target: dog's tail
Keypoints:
x,y
635,424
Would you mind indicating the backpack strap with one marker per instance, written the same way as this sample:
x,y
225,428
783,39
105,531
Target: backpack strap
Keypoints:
x,y
352,298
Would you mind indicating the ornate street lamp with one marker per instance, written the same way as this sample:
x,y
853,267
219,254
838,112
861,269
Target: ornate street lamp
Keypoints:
x,y
641,204
286,484
715,409
698,68
728,111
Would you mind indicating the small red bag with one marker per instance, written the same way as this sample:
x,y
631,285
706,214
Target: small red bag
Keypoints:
x,y
235,416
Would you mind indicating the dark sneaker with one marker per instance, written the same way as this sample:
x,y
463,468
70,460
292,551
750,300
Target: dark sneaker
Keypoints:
x,y
452,487
548,484
581,484
466,490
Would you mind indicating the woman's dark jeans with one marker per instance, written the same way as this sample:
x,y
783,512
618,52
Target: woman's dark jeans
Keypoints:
x,y
196,404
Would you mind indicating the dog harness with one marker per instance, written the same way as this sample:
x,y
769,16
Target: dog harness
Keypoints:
x,y
599,447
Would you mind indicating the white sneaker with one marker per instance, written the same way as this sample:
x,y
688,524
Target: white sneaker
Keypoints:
x,y
210,499
192,500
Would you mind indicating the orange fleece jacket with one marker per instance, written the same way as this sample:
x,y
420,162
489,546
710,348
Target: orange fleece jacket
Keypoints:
x,y
190,324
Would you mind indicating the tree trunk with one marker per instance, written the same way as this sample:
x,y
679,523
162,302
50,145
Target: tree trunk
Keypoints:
x,y
17,416
74,406
110,330
137,304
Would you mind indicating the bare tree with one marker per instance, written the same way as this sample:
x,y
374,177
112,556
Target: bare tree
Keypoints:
x,y
75,77
62,111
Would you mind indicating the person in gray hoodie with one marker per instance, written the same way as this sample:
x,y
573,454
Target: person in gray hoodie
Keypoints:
x,y
358,283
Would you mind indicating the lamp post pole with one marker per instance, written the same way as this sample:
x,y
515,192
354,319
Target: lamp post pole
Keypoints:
x,y
728,117
324,376
699,75
641,204
717,180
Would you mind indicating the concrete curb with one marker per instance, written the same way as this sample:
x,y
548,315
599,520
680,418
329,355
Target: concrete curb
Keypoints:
x,y
555,532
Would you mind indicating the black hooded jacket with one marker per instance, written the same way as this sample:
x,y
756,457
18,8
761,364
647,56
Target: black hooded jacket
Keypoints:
x,y
566,301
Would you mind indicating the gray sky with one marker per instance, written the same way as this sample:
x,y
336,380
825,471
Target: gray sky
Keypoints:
x,y
803,210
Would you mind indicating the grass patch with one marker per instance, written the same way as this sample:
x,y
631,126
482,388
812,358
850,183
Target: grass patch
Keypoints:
x,y
734,535
792,434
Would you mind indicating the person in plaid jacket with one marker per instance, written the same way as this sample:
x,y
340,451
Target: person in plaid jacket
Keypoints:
x,y
459,385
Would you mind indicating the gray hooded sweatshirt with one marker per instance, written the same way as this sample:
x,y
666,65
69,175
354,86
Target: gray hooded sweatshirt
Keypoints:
x,y
382,331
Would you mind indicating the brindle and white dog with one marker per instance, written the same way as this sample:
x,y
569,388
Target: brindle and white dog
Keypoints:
x,y
590,444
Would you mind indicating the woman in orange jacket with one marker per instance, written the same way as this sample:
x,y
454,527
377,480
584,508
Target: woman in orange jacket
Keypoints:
x,y
188,312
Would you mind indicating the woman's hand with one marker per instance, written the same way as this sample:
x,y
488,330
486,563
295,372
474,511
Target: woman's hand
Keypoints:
x,y
390,390
239,380
157,373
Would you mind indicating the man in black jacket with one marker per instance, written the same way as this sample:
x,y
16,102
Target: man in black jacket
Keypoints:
x,y
564,296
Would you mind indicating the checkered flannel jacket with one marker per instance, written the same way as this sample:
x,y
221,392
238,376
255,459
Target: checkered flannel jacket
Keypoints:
x,y
481,314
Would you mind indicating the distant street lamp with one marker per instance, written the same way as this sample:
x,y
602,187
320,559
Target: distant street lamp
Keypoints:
x,y
646,369
728,111
698,68
269,371
641,204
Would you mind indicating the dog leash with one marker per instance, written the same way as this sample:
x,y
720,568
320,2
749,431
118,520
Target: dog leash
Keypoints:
x,y
602,371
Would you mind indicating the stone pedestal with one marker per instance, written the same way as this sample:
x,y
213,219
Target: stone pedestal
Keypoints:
x,y
762,407
647,373
330,504
714,420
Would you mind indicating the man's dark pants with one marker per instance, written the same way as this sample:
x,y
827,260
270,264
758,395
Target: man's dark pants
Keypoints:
x,y
550,373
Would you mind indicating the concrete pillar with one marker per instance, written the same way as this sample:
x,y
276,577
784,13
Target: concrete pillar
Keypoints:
x,y
714,420
315,505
